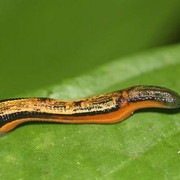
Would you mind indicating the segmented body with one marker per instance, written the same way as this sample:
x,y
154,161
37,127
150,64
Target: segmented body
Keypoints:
x,y
107,108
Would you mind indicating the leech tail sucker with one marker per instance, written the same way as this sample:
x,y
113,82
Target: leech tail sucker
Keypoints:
x,y
107,108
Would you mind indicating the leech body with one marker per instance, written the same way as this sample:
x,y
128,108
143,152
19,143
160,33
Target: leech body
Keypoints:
x,y
107,108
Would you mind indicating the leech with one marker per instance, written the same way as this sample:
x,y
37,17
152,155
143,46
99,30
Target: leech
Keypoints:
x,y
107,108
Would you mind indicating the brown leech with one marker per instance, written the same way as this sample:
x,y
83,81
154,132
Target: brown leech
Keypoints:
x,y
108,108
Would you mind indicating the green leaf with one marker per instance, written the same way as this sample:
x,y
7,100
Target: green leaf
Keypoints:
x,y
44,42
145,146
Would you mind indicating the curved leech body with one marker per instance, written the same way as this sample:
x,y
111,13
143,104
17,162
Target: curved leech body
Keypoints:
x,y
108,108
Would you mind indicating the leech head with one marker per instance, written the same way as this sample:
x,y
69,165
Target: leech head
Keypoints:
x,y
166,97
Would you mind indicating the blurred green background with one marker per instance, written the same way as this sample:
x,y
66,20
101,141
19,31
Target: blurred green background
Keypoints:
x,y
44,42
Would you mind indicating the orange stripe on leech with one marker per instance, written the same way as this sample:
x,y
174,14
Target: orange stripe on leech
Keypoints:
x,y
111,117
115,116
101,118
11,125
147,104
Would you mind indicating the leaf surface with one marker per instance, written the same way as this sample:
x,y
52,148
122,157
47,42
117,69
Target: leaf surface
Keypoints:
x,y
146,146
